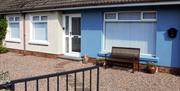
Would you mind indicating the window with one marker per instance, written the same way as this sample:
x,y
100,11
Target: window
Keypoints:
x,y
110,16
135,29
129,16
149,15
39,28
14,27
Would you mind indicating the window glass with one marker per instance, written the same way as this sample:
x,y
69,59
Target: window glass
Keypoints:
x,y
40,30
76,47
129,16
110,16
13,24
76,26
67,25
16,18
67,44
35,18
11,18
14,28
44,18
149,15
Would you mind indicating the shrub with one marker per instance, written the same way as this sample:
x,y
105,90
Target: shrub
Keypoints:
x,y
3,28
3,50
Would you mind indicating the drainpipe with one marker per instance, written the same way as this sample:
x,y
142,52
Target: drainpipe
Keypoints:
x,y
24,34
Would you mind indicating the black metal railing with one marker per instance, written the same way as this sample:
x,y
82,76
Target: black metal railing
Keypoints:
x,y
11,84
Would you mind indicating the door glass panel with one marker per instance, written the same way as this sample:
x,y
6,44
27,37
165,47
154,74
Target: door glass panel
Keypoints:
x,y
76,44
67,25
67,44
76,26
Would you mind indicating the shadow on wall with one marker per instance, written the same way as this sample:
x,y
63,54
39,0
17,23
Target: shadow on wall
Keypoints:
x,y
175,58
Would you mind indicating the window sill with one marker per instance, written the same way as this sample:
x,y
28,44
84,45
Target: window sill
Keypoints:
x,y
149,58
13,40
143,57
35,42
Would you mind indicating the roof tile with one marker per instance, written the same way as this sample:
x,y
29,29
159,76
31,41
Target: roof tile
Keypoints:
x,y
15,5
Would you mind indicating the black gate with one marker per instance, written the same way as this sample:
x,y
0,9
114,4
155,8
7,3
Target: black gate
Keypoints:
x,y
11,85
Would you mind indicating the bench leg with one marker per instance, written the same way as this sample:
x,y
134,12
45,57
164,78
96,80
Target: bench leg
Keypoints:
x,y
138,67
111,64
134,67
107,64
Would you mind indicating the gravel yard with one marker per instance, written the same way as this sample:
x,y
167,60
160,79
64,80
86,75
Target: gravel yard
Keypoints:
x,y
114,79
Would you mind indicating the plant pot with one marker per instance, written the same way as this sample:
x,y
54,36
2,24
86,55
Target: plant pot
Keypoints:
x,y
151,69
85,59
93,61
100,63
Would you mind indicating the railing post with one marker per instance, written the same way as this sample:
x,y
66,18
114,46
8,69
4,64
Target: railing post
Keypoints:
x,y
12,87
98,78
83,81
67,88
75,81
7,86
90,80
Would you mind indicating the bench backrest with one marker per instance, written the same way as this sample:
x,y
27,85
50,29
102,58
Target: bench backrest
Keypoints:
x,y
127,53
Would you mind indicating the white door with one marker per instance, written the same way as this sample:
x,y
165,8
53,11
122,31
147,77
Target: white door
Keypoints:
x,y
72,35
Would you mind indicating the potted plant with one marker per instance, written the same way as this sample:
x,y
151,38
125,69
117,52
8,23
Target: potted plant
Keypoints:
x,y
101,62
85,58
151,67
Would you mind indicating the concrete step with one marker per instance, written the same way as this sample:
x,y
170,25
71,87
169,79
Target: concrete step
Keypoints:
x,y
70,58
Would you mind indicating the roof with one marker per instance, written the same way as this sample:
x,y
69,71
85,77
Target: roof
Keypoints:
x,y
20,5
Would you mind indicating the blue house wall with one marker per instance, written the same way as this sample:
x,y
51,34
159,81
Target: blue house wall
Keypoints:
x,y
167,49
91,29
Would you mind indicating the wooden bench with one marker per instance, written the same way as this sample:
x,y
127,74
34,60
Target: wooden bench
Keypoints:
x,y
124,55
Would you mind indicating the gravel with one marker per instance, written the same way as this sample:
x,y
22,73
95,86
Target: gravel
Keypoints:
x,y
111,79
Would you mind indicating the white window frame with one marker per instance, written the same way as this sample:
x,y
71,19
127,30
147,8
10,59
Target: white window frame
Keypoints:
x,y
141,17
111,19
9,37
32,31
103,50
